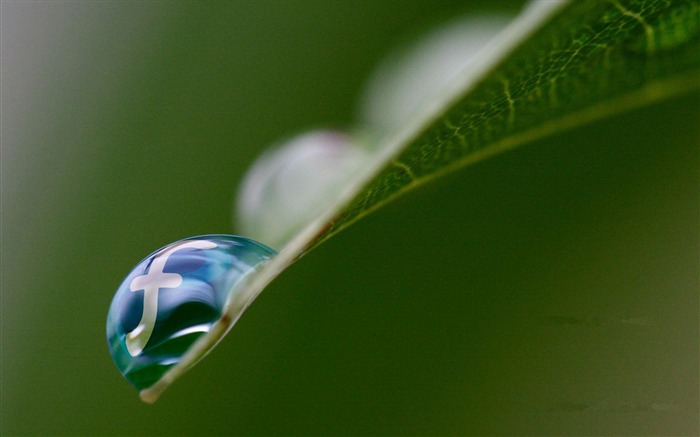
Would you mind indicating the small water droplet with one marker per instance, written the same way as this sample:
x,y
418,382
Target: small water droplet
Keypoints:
x,y
294,182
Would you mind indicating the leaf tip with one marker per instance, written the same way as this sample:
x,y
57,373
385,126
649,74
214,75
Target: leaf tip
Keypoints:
x,y
151,394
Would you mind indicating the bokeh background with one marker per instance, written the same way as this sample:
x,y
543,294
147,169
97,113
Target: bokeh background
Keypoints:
x,y
551,290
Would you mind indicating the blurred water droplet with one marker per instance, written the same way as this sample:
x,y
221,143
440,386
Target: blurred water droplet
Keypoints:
x,y
291,184
405,82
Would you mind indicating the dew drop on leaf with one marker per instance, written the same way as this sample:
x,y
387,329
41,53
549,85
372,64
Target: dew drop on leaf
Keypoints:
x,y
295,181
172,298
407,80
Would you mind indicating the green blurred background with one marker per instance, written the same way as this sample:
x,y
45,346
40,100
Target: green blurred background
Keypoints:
x,y
551,290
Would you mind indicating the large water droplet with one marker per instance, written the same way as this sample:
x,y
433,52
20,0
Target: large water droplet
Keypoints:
x,y
172,298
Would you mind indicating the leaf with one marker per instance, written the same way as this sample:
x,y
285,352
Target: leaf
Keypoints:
x,y
594,59
558,65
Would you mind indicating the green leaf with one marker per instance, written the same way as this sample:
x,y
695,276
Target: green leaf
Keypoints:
x,y
557,66
593,59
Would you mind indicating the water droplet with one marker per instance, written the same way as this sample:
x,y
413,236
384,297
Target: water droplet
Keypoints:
x,y
172,298
406,81
294,182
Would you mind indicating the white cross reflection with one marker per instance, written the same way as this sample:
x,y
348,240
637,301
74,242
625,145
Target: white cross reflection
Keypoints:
x,y
150,283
